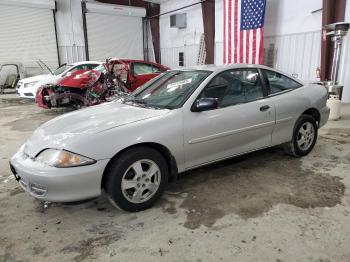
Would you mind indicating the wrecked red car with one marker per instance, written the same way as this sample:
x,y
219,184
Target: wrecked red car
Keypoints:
x,y
91,87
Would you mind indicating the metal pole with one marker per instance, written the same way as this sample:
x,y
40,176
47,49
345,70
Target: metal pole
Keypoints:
x,y
55,25
336,57
83,9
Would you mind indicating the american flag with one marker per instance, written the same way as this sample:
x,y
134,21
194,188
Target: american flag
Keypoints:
x,y
244,31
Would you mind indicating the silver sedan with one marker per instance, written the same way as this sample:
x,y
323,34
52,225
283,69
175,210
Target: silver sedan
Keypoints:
x,y
178,121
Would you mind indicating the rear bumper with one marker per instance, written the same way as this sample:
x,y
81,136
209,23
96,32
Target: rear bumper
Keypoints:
x,y
57,184
324,115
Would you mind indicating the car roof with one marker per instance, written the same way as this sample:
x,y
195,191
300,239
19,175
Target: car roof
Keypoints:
x,y
85,62
133,61
220,68
128,60
217,68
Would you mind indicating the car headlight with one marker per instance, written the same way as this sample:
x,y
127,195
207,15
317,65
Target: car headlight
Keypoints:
x,y
63,158
31,84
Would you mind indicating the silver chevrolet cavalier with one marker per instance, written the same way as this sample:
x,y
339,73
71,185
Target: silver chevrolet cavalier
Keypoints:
x,y
179,121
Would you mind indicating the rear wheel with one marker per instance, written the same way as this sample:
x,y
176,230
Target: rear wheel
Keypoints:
x,y
137,178
304,136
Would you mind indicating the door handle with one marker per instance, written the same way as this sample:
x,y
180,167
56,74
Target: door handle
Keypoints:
x,y
264,108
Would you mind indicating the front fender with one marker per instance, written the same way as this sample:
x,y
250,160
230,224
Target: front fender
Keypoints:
x,y
165,130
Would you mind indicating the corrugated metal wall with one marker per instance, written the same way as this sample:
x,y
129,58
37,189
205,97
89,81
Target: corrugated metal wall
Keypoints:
x,y
71,54
70,33
26,35
297,53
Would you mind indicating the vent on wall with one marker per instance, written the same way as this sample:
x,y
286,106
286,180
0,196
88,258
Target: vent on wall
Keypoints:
x,y
181,59
178,20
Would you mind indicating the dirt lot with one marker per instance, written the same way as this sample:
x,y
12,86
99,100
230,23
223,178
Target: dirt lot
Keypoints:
x,y
265,206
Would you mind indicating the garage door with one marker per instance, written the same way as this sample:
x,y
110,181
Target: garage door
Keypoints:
x,y
27,33
114,31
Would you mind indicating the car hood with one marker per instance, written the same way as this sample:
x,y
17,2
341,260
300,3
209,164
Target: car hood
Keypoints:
x,y
35,78
80,79
61,131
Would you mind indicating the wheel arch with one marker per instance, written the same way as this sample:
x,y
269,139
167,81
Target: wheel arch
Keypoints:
x,y
314,113
170,159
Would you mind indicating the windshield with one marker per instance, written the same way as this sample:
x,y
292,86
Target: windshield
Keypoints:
x,y
61,69
170,90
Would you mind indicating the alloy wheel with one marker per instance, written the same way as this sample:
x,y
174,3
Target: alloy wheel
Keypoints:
x,y
141,181
306,136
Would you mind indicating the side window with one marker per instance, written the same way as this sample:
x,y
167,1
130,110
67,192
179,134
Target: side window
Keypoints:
x,y
217,87
234,87
85,67
79,67
156,69
142,69
279,83
90,66
73,69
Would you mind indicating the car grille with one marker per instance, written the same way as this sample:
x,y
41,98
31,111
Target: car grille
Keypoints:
x,y
14,172
28,94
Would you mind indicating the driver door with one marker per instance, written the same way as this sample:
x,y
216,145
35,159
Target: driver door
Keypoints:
x,y
243,121
141,73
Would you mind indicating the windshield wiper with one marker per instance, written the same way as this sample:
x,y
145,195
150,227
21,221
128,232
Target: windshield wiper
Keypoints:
x,y
139,101
125,97
143,103
133,100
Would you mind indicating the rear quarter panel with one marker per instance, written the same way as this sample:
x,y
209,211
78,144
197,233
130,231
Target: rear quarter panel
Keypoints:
x,y
290,106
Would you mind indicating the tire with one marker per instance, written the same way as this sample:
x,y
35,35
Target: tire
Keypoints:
x,y
136,179
306,127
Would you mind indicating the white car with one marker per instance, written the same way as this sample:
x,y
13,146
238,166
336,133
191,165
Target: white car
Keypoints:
x,y
178,121
28,87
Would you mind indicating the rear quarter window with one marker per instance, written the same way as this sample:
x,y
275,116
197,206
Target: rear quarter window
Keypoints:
x,y
278,82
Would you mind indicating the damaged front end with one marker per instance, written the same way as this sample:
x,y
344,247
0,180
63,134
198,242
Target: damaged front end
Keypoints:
x,y
81,88
50,96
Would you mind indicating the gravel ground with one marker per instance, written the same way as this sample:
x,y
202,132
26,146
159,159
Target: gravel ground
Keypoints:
x,y
265,206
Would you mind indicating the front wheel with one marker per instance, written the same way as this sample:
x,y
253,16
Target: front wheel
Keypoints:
x,y
304,136
137,178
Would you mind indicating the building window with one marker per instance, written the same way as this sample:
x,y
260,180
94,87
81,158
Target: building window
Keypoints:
x,y
181,59
178,21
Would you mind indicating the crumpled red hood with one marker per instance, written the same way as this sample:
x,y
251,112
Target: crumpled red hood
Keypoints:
x,y
80,79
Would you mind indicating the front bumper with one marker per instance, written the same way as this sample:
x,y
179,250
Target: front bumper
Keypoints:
x,y
25,94
57,184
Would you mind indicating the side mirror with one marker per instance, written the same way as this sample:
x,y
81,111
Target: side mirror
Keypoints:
x,y
295,75
204,104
